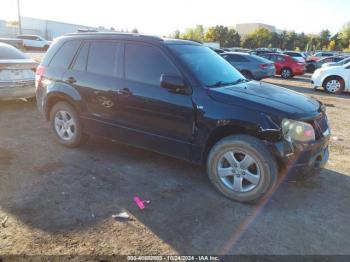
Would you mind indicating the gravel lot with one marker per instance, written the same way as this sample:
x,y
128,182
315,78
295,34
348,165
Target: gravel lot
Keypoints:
x,y
60,201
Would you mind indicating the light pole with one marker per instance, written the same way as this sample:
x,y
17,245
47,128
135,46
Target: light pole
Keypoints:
x,y
19,18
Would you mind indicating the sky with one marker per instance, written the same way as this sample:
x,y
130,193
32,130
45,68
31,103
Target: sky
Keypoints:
x,y
162,17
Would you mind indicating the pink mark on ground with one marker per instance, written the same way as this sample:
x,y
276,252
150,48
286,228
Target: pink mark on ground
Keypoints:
x,y
139,202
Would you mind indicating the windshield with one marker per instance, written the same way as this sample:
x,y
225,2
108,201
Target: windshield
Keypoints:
x,y
344,61
210,68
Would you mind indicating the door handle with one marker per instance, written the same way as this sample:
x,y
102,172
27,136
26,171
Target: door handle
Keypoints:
x,y
124,91
71,80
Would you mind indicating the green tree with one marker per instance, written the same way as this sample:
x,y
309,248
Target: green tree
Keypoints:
x,y
195,34
331,45
344,35
324,39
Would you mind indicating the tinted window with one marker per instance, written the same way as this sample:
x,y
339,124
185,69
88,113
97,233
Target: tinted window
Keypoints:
x,y
9,52
145,64
65,54
103,57
293,54
273,58
210,68
280,58
236,58
80,62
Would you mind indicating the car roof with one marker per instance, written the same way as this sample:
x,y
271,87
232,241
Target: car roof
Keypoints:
x,y
237,53
128,36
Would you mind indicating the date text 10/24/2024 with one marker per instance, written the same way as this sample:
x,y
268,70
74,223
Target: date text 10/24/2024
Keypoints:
x,y
173,258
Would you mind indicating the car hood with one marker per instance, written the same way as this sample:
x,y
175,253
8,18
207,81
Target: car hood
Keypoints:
x,y
267,98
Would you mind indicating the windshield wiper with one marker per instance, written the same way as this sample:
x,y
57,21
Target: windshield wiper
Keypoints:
x,y
221,83
241,80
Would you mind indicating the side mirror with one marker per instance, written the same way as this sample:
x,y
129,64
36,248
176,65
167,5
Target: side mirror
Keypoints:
x,y
174,83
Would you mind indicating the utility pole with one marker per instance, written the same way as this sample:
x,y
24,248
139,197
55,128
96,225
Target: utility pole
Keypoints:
x,y
19,18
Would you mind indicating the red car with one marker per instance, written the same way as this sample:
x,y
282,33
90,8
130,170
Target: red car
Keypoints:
x,y
286,66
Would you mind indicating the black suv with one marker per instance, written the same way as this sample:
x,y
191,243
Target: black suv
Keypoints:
x,y
182,99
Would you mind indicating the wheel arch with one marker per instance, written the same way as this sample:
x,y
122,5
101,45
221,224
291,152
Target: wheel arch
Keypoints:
x,y
62,93
331,76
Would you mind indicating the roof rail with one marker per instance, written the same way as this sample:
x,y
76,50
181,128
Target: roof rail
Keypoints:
x,y
117,34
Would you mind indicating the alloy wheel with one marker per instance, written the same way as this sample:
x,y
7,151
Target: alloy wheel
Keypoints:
x,y
238,171
65,125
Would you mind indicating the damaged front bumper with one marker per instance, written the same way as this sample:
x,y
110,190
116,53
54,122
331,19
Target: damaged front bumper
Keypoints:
x,y
301,160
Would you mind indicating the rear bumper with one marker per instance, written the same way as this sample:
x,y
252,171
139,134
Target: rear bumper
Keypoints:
x,y
15,90
264,73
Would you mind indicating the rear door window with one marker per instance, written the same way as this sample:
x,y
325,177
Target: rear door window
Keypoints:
x,y
103,58
65,55
146,63
236,58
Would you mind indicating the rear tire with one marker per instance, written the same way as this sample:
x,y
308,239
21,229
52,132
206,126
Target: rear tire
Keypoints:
x,y
66,125
286,73
242,168
334,85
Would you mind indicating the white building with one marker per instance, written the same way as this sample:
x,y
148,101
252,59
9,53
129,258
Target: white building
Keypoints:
x,y
45,28
52,29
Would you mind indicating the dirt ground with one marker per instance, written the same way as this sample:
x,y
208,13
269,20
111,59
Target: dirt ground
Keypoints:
x,y
60,201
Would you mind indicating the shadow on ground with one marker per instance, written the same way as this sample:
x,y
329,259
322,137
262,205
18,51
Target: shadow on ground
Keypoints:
x,y
83,187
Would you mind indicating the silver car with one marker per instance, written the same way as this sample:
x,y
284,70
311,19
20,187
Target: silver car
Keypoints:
x,y
339,63
17,74
251,66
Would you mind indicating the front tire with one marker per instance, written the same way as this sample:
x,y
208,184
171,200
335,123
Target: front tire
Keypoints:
x,y
242,168
66,125
334,85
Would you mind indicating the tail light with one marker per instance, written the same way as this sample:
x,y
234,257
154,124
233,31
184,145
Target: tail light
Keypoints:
x,y
263,66
40,70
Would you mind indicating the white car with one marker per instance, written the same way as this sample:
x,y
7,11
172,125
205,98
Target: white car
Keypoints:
x,y
300,57
334,79
34,41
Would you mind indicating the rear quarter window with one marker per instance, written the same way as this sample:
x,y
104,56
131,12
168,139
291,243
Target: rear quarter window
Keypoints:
x,y
65,54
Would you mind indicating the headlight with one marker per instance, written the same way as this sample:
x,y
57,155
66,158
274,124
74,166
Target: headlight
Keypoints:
x,y
297,131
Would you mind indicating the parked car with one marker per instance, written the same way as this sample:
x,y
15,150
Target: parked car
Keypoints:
x,y
263,52
34,42
334,79
319,55
181,99
299,56
17,74
312,65
18,43
286,66
251,66
217,50
341,62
